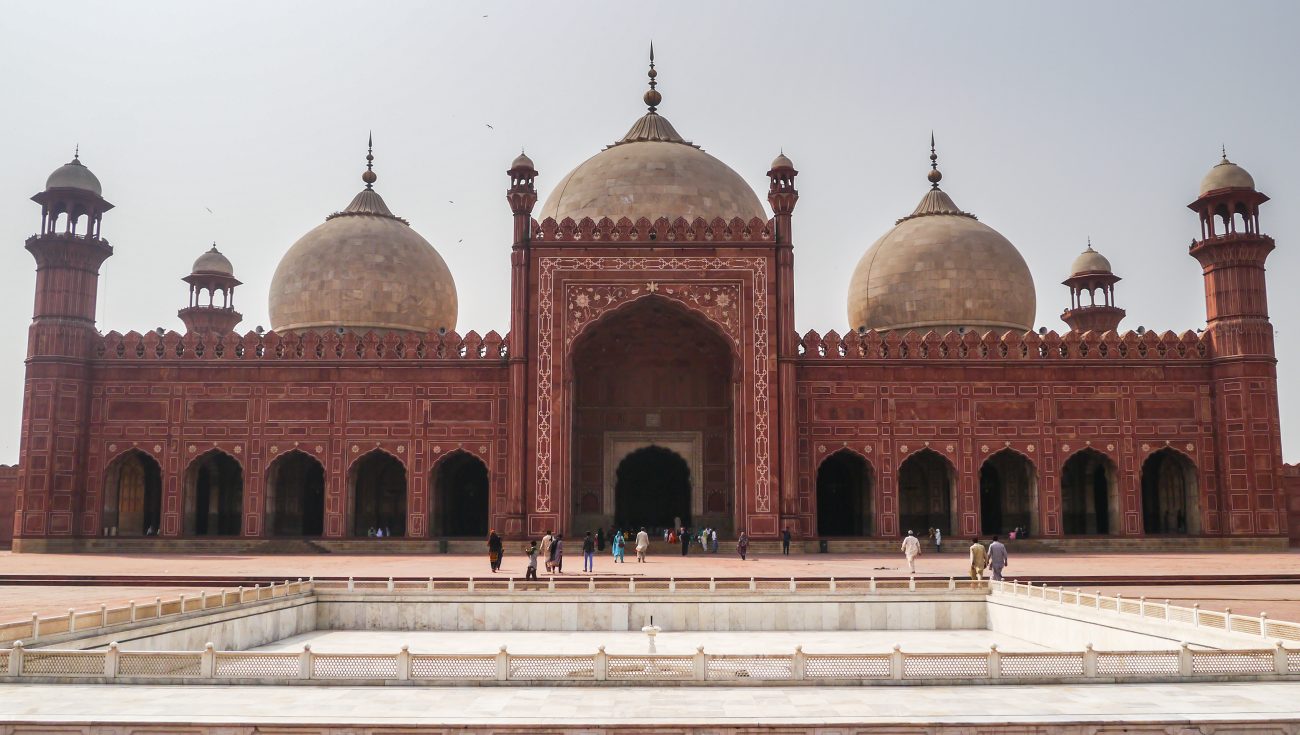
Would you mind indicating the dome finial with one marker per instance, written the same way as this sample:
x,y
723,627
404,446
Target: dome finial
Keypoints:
x,y
652,97
1223,149
369,176
76,152
934,176
1090,244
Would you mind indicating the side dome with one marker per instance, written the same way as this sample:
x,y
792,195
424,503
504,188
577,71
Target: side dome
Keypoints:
x,y
941,269
1226,175
1090,261
363,269
652,172
214,262
74,175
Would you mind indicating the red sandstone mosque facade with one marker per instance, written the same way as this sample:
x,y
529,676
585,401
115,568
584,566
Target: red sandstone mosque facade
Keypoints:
x,y
652,374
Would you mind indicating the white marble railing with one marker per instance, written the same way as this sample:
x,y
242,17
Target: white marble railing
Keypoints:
x,y
1165,612
819,585
179,667
87,621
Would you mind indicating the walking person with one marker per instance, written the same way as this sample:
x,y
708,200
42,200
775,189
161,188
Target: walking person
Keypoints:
x,y
785,541
938,541
618,547
588,553
997,558
642,545
557,554
531,571
911,547
685,538
713,539
494,550
545,551
979,559
742,545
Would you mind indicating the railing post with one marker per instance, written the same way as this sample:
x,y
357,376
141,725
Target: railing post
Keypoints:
x,y
111,660
429,586
305,662
591,584
239,595
503,664
713,585
1227,619
182,604
871,586
470,586
550,583
1196,614
72,620
103,615
1279,659
404,663
351,584
36,626
1078,597
16,659
911,584
510,584
952,583
1166,608
600,664
832,584
753,586
672,584
1096,600
1119,600
157,607
896,663
995,662
208,661
1089,661
131,604
700,666
1142,607
631,584
792,584
390,584
1184,659
1263,625
798,664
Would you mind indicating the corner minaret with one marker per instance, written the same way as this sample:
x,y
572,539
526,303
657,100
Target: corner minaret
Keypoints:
x,y
212,274
1091,274
69,251
1247,454
522,197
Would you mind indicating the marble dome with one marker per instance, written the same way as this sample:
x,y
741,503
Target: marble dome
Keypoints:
x,y
1090,261
363,269
652,172
941,269
1226,175
213,262
74,175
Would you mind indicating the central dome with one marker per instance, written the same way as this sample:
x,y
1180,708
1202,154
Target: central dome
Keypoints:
x,y
363,269
652,172
941,269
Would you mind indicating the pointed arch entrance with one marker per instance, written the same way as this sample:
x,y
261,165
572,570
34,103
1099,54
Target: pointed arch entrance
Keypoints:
x,y
654,368
652,489
844,495
460,496
295,495
1089,495
1008,494
133,496
927,493
1170,495
214,496
377,488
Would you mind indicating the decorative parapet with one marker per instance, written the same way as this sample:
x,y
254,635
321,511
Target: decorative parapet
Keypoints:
x,y
347,345
661,230
873,345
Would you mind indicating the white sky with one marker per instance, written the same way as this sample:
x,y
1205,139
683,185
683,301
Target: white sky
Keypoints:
x,y
1055,122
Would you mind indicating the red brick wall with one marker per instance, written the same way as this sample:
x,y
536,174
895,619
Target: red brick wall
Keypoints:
x,y
1291,487
8,500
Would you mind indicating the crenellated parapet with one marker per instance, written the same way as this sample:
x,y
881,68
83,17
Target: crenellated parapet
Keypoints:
x,y
313,346
911,345
662,229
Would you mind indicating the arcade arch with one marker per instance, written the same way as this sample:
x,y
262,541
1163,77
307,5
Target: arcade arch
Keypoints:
x,y
377,489
214,495
844,495
1089,495
927,493
133,495
460,496
295,495
1170,495
1008,494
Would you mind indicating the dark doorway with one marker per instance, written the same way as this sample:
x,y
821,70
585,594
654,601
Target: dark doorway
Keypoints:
x,y
295,496
214,496
1170,500
844,496
133,496
926,485
1008,494
652,488
1089,503
461,496
378,482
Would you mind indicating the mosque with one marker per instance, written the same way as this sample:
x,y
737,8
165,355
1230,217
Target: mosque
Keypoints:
x,y
652,375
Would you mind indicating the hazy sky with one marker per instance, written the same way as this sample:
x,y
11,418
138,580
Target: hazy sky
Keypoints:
x,y
1055,122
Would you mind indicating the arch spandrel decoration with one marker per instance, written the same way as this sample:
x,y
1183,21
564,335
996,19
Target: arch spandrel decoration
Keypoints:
x,y
746,324
718,301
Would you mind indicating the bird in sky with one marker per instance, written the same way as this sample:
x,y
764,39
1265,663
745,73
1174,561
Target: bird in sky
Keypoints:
x,y
489,126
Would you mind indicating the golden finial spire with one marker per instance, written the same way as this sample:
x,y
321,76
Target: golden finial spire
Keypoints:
x,y
76,152
934,176
652,97
1223,150
369,176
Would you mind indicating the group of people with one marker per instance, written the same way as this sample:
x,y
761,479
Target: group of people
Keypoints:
x,y
551,550
706,538
993,557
